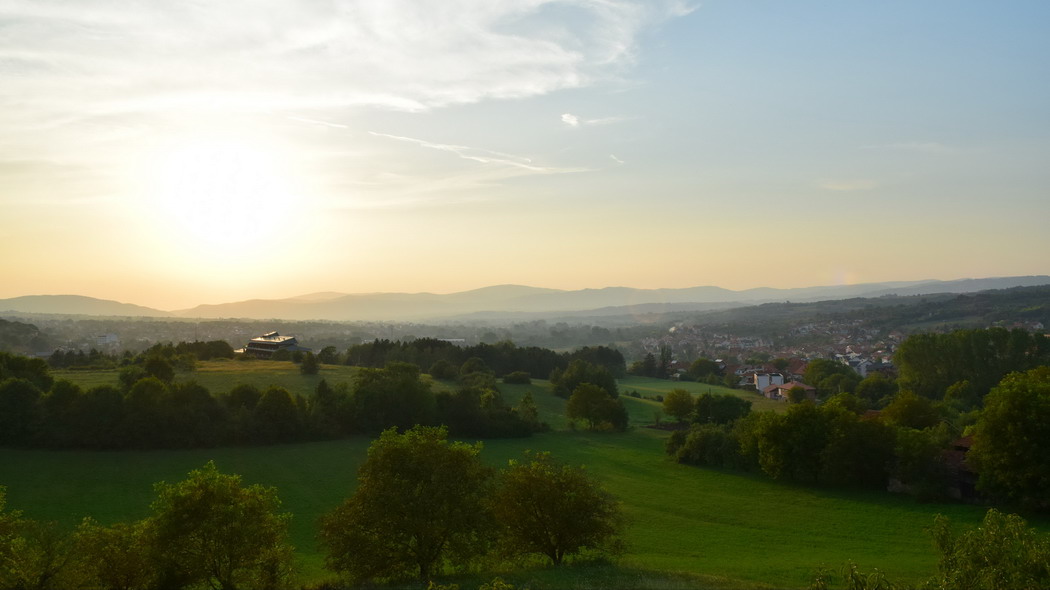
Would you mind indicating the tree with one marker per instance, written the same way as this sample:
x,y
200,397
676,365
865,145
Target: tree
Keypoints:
x,y
1003,553
555,510
720,409
276,417
703,368
663,370
19,411
678,403
329,355
1009,439
393,396
593,404
159,367
209,529
580,371
116,557
418,504
875,387
310,366
911,411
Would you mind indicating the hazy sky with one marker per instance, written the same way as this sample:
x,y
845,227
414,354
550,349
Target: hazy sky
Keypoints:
x,y
176,153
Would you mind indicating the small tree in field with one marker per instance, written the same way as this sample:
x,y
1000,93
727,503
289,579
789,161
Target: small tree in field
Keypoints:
x,y
554,510
417,506
678,403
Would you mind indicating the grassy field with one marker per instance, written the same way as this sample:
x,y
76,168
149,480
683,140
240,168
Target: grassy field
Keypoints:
x,y
690,527
219,376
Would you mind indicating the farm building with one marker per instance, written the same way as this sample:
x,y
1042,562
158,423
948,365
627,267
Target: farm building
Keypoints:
x,y
266,345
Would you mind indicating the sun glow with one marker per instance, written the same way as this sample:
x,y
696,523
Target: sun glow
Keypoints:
x,y
225,196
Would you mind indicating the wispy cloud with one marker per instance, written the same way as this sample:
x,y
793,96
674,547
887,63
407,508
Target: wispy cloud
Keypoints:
x,y
574,121
615,159
319,123
399,54
848,185
483,156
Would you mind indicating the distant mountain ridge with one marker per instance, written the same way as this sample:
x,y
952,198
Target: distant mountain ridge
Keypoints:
x,y
77,305
511,300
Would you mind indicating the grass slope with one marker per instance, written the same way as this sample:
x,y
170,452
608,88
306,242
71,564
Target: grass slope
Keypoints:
x,y
690,527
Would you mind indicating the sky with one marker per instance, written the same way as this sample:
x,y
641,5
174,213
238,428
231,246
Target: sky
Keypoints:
x,y
171,154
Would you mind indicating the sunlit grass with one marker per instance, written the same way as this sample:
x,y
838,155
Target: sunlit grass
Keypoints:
x,y
689,527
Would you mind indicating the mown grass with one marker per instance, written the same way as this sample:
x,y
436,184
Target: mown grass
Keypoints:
x,y
649,387
219,376
689,527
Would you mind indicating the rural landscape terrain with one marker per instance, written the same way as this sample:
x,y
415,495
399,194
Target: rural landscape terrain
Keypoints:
x,y
697,508
542,295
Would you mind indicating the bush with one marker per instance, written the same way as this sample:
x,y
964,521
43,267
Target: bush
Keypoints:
x,y
517,378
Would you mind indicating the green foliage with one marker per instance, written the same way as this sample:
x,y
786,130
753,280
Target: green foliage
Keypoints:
x,y
713,445
720,409
209,529
1001,554
417,506
517,378
910,411
599,409
19,411
159,367
1009,441
931,363
825,444
874,388
41,557
703,368
580,371
678,403
918,461
394,396
34,370
310,364
116,557
276,416
554,510
830,377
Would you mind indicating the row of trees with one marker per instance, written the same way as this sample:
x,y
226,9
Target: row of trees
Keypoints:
x,y
502,358
392,527
153,411
423,506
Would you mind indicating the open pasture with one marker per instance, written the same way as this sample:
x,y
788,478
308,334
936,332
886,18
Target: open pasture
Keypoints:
x,y
689,527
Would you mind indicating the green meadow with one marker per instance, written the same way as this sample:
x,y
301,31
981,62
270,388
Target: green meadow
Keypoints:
x,y
690,527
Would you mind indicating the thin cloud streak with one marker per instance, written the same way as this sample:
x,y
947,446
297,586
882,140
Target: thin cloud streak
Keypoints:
x,y
482,155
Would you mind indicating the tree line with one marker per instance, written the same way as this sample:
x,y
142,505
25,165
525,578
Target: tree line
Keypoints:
x,y
423,506
444,359
150,409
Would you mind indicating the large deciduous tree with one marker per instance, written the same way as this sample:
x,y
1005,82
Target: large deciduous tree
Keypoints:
x,y
1009,441
554,510
592,403
209,529
417,507
678,403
